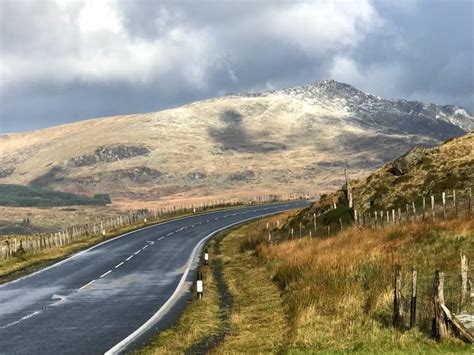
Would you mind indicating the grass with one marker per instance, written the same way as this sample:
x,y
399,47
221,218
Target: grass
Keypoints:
x,y
324,295
256,321
199,320
339,290
25,263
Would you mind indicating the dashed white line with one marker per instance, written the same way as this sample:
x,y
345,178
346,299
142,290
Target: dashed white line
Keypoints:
x,y
160,238
105,274
87,284
131,256
146,246
137,252
21,319
118,265
169,233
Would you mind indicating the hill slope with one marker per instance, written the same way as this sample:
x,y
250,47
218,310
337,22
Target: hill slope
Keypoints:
x,y
291,140
421,171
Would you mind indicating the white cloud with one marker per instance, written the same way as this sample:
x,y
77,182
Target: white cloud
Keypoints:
x,y
88,41
321,26
380,78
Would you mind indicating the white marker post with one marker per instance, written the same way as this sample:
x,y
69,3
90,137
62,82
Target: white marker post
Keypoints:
x,y
206,257
199,286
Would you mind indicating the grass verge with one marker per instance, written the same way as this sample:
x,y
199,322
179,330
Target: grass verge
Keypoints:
x,y
316,295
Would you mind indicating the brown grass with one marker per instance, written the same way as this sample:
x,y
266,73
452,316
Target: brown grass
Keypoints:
x,y
338,290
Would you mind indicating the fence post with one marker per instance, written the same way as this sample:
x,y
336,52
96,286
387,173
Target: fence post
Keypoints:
x,y
464,281
424,206
470,199
413,298
438,329
432,207
455,204
397,298
314,219
444,205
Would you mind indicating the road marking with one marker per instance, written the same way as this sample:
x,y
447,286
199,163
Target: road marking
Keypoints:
x,y
21,319
105,274
131,256
137,252
87,284
169,233
160,238
118,265
79,254
146,246
119,347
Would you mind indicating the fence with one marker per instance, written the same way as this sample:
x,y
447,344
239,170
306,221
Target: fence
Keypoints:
x,y
33,244
440,302
438,206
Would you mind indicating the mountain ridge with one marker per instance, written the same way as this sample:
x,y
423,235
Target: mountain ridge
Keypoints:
x,y
293,140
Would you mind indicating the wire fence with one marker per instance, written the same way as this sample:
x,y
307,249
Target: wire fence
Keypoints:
x,y
15,246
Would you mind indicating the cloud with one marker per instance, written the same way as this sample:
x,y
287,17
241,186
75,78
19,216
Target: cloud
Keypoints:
x,y
155,55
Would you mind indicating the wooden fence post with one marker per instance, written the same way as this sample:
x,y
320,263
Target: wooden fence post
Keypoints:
x,y
438,329
397,298
424,206
464,281
432,207
314,220
470,200
444,205
413,298
455,204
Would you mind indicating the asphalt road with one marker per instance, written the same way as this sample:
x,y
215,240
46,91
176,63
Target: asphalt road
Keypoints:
x,y
136,284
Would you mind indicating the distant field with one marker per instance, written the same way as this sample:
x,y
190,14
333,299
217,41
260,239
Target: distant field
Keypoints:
x,y
28,196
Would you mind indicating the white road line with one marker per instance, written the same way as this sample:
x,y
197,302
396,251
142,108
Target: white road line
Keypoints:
x,y
87,284
105,274
131,256
119,347
21,319
146,246
118,265
169,233
137,252
160,238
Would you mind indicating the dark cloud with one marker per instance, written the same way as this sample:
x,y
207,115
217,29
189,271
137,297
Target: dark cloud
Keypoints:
x,y
62,62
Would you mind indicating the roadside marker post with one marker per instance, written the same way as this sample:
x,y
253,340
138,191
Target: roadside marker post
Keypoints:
x,y
199,286
206,257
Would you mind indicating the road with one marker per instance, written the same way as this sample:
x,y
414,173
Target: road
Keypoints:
x,y
115,295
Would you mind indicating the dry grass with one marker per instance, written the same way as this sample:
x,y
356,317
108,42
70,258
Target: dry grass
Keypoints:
x,y
199,320
338,290
258,321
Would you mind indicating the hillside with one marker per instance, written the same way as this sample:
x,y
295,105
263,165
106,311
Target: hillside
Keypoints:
x,y
27,196
421,171
291,141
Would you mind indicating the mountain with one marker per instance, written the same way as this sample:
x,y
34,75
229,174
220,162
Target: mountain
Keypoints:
x,y
282,141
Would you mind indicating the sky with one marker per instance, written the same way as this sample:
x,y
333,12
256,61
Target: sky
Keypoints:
x,y
63,61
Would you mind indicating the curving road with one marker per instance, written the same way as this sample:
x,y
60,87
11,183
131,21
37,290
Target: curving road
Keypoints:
x,y
115,295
